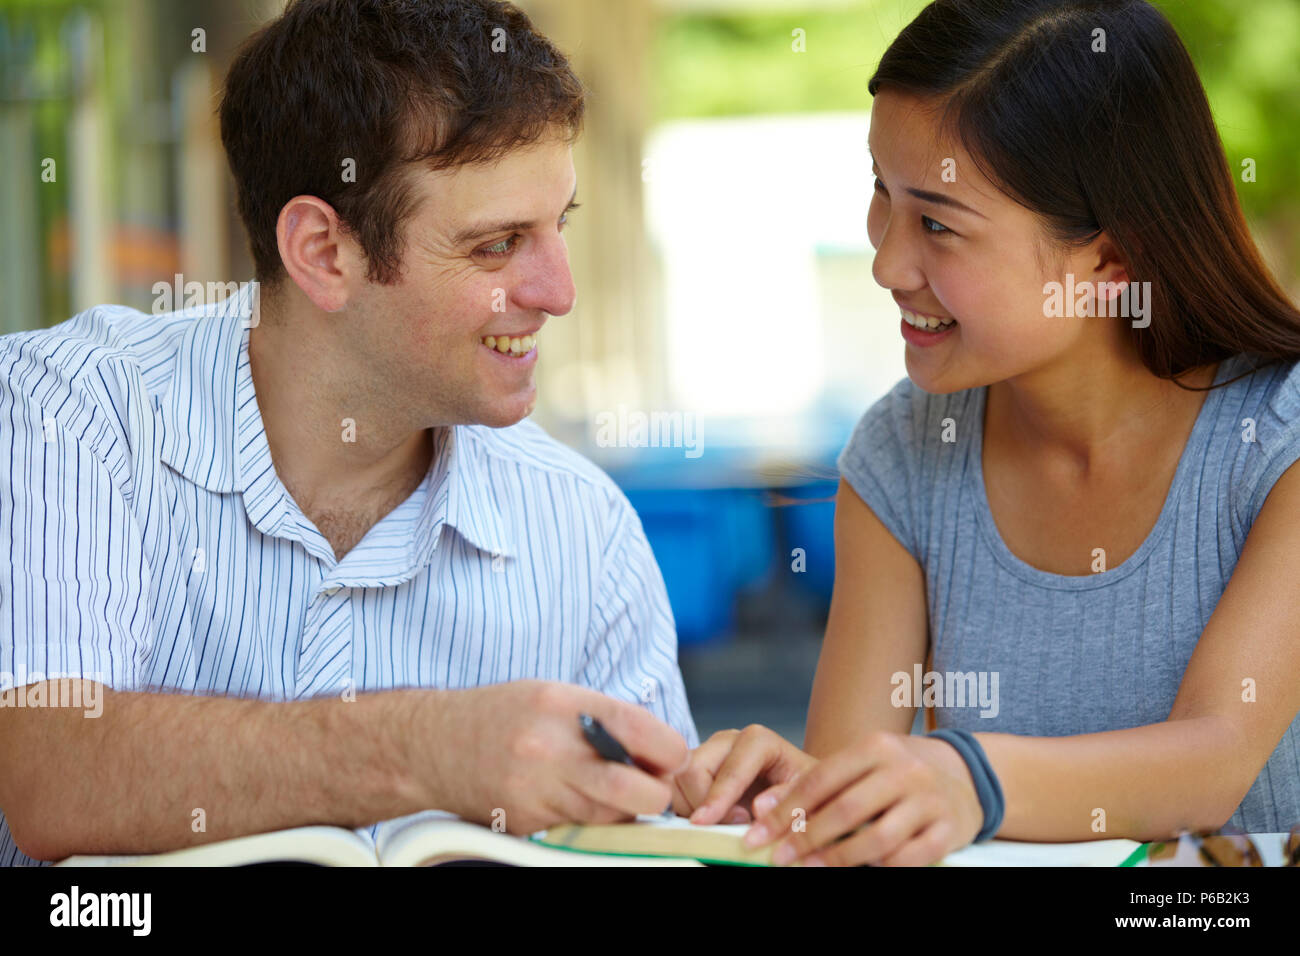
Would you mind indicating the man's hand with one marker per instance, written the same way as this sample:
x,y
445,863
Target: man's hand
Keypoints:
x,y
516,749
729,769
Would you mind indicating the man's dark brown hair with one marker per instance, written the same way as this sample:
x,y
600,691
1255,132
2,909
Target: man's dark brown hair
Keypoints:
x,y
383,84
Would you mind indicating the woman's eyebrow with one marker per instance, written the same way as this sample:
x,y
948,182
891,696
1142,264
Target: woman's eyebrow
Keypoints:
x,y
939,199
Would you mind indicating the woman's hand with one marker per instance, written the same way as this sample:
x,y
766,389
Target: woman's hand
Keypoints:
x,y
723,773
913,793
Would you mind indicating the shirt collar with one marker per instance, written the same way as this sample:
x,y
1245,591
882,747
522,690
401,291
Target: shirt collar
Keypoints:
x,y
213,435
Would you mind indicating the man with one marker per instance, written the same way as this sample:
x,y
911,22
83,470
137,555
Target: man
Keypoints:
x,y
314,509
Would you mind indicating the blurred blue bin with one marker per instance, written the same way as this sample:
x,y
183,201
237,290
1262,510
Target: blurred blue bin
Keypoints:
x,y
810,524
711,544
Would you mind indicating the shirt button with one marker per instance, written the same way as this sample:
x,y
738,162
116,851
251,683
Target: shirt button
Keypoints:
x,y
330,592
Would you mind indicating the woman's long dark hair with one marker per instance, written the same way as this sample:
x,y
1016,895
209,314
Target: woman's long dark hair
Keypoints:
x,y
1121,141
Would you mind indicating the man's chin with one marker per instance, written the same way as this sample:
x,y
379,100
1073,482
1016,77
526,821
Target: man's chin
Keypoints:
x,y
506,413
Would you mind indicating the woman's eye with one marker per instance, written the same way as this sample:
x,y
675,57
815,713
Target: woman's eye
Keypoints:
x,y
502,248
926,221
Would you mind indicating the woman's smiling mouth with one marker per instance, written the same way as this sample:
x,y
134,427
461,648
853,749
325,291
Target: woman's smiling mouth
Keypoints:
x,y
926,323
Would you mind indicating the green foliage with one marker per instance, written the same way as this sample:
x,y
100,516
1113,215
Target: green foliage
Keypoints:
x,y
1248,56
728,64
736,63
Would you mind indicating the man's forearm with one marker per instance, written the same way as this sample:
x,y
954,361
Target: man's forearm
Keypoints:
x,y
1149,781
133,779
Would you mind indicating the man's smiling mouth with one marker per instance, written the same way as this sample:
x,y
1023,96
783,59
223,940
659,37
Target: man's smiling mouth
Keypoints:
x,y
510,345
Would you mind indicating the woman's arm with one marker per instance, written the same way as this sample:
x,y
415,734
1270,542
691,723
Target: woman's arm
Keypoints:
x,y
877,627
1145,783
1239,693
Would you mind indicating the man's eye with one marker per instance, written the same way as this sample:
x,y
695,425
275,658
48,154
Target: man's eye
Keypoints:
x,y
564,217
500,249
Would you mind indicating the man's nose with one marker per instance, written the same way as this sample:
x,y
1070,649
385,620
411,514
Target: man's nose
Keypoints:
x,y
548,285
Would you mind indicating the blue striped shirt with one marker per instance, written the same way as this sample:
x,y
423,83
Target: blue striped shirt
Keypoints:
x,y
147,541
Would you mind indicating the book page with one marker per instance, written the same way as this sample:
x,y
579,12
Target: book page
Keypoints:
x,y
396,831
675,822
322,845
431,837
1016,853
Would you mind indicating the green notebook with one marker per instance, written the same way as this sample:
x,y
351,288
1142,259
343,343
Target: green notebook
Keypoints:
x,y
678,837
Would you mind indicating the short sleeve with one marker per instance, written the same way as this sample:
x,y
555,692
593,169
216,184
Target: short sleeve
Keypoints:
x,y
632,646
73,580
880,463
1276,445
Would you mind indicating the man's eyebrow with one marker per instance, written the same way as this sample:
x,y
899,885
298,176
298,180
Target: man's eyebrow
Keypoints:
x,y
505,225
939,199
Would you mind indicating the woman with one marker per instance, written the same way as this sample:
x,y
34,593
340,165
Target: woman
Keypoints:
x,y
1079,508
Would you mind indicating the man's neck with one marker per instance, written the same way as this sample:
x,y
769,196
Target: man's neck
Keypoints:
x,y
334,440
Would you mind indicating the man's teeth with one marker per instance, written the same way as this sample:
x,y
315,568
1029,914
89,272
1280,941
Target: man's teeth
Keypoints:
x,y
925,322
520,345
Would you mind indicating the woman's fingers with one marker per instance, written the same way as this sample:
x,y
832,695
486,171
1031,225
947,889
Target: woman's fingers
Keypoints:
x,y
881,839
809,790
753,752
929,846
862,800
819,783
691,784
770,797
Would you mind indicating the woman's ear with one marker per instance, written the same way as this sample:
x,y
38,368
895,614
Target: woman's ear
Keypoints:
x,y
319,256
1111,266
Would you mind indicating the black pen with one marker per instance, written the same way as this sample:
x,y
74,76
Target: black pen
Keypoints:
x,y
608,747
599,737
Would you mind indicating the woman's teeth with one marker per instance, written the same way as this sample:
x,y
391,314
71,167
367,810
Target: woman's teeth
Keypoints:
x,y
925,323
520,345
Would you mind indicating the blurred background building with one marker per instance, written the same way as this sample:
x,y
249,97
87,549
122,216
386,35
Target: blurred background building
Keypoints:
x,y
727,333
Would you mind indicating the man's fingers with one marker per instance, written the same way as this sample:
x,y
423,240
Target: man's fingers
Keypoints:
x,y
628,790
579,807
650,742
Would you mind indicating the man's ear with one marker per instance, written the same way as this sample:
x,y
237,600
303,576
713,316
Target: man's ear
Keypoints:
x,y
324,262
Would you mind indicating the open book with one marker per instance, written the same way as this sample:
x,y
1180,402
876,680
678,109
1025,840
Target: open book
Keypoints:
x,y
434,838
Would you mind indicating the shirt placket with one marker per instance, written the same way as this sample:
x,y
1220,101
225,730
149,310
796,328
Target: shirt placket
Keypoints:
x,y
325,650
